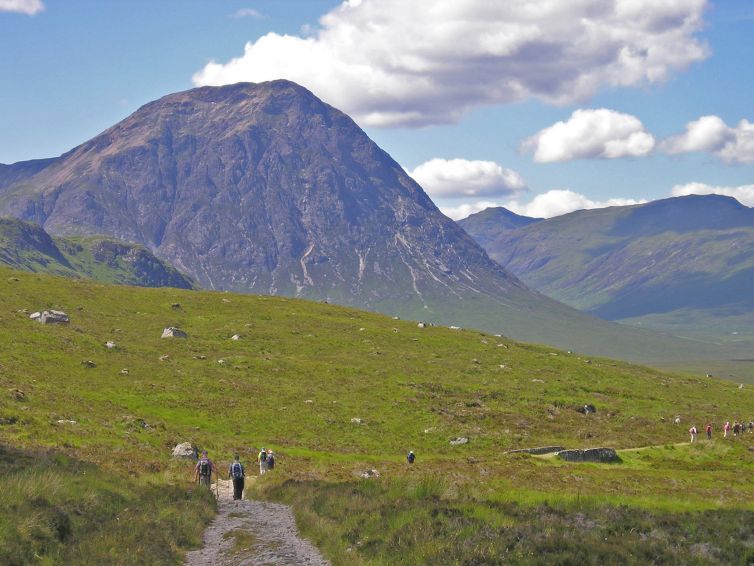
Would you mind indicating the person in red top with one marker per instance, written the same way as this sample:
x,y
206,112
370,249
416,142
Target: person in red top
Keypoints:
x,y
708,430
204,469
726,429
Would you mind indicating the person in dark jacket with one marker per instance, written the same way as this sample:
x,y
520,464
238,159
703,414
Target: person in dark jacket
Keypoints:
x,y
237,473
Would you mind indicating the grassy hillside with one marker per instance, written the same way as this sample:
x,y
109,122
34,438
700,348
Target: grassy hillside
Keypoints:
x,y
295,381
28,247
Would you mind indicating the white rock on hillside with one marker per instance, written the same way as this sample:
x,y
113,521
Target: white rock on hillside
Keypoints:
x,y
173,332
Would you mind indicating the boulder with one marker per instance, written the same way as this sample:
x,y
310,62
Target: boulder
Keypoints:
x,y
421,325
367,474
35,315
235,337
183,450
587,409
124,371
173,332
458,441
109,344
88,364
599,455
53,317
356,420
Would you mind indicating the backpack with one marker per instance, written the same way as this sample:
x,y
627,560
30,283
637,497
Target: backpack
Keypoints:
x,y
270,461
237,470
204,468
411,458
263,456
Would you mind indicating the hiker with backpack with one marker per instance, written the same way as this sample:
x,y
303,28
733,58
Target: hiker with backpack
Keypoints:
x,y
270,460
410,457
692,432
708,430
203,470
237,474
262,459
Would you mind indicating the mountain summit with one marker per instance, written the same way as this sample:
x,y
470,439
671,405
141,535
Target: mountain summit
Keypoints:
x,y
264,188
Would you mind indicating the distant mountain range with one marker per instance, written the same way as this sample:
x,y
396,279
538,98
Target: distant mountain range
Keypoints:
x,y
28,247
264,188
486,226
684,265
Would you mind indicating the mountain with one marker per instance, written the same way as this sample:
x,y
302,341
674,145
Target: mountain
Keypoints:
x,y
683,265
28,247
264,188
487,225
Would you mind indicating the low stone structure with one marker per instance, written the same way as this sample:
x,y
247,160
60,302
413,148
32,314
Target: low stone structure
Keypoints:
x,y
538,450
599,455
50,317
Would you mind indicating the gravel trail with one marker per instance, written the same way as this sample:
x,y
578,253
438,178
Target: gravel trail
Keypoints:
x,y
248,532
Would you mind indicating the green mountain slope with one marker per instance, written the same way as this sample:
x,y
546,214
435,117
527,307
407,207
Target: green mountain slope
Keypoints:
x,y
682,265
28,247
335,391
487,225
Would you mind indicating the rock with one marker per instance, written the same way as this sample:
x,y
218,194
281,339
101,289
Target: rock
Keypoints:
x,y
226,300
175,306
741,386
124,371
367,474
35,315
535,380
221,361
66,421
235,337
362,329
164,358
109,344
474,361
677,420
183,450
308,401
537,451
17,394
173,332
587,409
396,318
458,441
356,420
53,317
421,325
455,327
88,364
200,357
599,455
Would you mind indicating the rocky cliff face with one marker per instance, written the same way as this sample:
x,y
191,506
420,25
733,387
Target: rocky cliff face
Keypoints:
x,y
260,188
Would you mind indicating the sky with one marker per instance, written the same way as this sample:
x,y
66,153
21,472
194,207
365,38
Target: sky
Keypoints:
x,y
542,106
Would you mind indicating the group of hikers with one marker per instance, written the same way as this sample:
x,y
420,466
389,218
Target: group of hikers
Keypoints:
x,y
205,468
736,428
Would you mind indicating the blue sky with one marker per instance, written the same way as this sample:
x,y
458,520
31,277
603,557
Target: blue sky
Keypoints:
x,y
78,66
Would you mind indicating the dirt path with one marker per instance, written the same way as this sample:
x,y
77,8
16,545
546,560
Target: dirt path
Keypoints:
x,y
253,533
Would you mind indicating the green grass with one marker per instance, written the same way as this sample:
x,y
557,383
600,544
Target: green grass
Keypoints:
x,y
300,372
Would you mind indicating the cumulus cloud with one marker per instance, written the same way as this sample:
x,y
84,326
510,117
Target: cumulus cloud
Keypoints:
x,y
391,62
560,201
28,7
246,13
711,134
743,193
463,178
591,134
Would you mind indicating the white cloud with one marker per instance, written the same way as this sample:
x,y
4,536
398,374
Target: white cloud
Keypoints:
x,y
463,178
591,134
391,62
560,201
246,13
28,7
743,193
712,134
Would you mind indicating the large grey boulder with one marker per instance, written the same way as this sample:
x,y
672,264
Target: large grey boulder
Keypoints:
x,y
599,455
539,450
173,332
183,450
52,317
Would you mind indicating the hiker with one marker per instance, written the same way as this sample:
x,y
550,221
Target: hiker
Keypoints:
x,y
708,430
751,427
692,432
262,459
270,459
726,429
410,458
203,470
237,474
736,428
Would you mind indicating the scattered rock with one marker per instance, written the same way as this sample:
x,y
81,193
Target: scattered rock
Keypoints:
x,y
356,420
8,420
173,332
587,361
396,318
53,317
458,441
221,361
308,401
226,300
124,371
235,337
367,474
88,364
175,306
709,375
164,358
17,394
421,325
587,409
66,421
741,386
538,450
535,380
455,327
183,450
362,329
34,315
600,455
474,361
109,344
395,330
200,357
677,420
